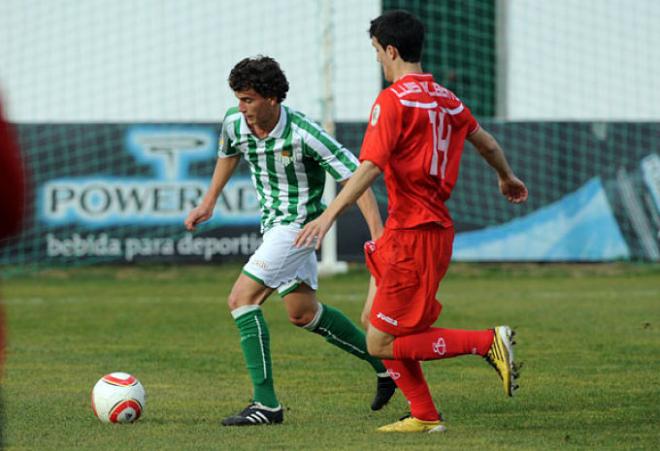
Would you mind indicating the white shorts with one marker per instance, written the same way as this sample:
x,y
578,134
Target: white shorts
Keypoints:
x,y
277,263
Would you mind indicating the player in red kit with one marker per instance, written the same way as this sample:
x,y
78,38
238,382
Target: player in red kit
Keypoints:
x,y
12,198
415,137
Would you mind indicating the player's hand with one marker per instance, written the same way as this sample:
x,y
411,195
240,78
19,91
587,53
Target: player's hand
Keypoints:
x,y
513,189
197,216
313,233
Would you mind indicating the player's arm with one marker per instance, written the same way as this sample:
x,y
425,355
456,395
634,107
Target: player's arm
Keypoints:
x,y
224,168
340,163
369,209
359,182
511,186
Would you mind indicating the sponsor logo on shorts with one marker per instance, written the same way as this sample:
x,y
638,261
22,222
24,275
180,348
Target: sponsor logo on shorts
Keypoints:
x,y
387,319
439,347
260,263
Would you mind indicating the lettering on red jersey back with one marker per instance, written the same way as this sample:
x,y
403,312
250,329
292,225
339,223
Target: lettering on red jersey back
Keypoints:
x,y
431,88
406,89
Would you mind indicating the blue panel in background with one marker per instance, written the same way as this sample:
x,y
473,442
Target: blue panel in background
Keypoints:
x,y
578,227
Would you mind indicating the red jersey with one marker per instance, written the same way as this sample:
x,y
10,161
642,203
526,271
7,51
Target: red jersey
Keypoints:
x,y
415,136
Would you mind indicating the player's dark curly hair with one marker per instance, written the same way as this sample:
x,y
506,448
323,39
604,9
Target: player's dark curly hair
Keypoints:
x,y
261,73
402,30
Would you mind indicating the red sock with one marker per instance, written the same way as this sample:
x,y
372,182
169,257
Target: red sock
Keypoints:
x,y
408,376
437,343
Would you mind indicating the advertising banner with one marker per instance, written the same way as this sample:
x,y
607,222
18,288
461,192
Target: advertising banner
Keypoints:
x,y
119,193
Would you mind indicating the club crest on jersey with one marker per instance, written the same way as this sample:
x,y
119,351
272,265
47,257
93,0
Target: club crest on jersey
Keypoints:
x,y
375,114
285,157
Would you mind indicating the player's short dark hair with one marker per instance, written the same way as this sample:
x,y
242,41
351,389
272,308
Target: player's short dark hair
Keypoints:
x,y
402,30
261,73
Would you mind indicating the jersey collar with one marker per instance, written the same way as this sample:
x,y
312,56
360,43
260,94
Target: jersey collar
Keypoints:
x,y
276,132
425,76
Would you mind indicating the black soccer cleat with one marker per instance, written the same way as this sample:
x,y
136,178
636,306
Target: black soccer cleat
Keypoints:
x,y
384,391
254,415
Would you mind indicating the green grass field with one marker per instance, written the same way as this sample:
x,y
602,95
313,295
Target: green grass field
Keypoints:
x,y
589,337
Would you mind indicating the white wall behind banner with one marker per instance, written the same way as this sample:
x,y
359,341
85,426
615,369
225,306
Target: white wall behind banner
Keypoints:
x,y
581,59
168,60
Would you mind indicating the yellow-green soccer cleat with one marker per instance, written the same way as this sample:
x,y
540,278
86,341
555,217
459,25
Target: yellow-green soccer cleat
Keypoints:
x,y
500,357
411,424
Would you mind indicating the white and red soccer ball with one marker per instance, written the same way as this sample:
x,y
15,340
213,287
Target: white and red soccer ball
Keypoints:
x,y
118,398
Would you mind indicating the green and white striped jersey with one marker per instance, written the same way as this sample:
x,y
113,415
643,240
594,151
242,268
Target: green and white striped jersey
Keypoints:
x,y
288,166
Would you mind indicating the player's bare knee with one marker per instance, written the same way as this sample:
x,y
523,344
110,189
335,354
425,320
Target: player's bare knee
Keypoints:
x,y
235,301
364,319
376,350
379,344
232,302
375,347
301,320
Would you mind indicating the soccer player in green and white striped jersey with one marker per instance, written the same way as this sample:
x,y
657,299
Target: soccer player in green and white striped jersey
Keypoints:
x,y
289,156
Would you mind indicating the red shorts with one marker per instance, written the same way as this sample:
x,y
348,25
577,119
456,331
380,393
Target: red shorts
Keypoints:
x,y
408,266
